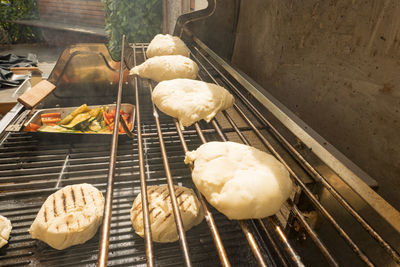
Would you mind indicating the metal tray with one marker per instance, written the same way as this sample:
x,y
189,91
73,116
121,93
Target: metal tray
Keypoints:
x,y
128,108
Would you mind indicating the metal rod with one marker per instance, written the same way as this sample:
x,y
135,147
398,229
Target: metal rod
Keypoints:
x,y
313,235
273,243
105,228
249,236
143,187
292,253
307,191
174,201
284,240
309,230
187,132
316,203
386,246
253,243
208,215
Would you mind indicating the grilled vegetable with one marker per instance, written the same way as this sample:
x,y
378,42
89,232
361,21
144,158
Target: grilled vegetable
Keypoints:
x,y
53,115
50,120
71,116
95,126
104,130
106,118
96,113
55,129
32,127
80,121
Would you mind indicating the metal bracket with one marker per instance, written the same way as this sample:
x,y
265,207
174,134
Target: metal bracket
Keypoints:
x,y
19,123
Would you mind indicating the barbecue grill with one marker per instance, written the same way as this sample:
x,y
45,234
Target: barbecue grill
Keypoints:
x,y
334,217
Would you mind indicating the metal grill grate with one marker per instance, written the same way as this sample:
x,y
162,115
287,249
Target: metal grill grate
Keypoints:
x,y
32,168
38,173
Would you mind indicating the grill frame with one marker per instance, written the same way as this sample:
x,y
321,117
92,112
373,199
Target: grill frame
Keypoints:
x,y
277,230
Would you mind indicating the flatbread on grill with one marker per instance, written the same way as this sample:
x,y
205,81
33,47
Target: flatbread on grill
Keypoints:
x,y
240,181
163,68
5,230
190,100
162,218
165,44
69,217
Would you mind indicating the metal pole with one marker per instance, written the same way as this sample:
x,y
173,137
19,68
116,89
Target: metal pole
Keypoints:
x,y
105,228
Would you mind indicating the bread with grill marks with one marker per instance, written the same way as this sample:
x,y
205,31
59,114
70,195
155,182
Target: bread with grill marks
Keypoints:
x,y
163,228
5,230
69,216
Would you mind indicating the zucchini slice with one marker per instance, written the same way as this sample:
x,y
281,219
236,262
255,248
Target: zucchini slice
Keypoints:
x,y
80,121
82,109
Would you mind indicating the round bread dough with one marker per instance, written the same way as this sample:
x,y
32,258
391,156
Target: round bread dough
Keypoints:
x,y
163,228
69,216
191,100
240,181
163,68
163,45
5,230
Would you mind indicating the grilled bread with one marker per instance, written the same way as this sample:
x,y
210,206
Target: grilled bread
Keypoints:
x,y
240,181
163,68
69,217
190,100
165,44
163,228
5,230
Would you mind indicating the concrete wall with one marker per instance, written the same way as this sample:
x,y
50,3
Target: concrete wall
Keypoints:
x,y
336,64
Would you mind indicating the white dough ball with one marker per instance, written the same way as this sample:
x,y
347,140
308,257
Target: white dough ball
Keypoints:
x,y
240,181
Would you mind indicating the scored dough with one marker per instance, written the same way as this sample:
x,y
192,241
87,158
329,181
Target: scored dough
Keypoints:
x,y
191,100
69,217
163,45
163,68
162,218
5,230
240,181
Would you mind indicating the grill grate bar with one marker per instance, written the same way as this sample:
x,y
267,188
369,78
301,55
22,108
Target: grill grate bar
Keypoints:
x,y
289,249
105,228
276,227
249,236
208,215
328,256
143,187
311,170
309,194
174,201
308,228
